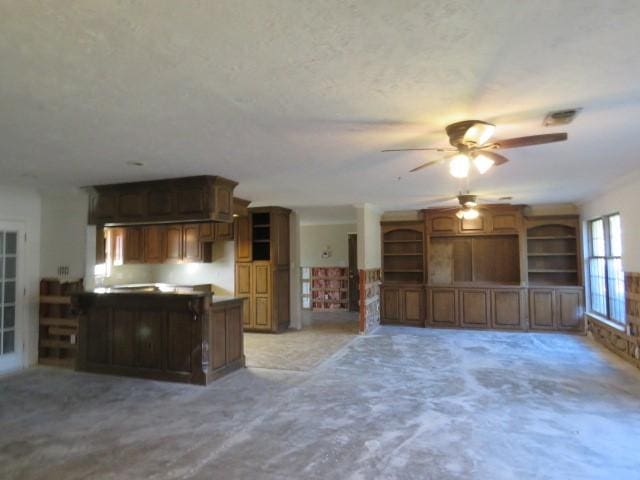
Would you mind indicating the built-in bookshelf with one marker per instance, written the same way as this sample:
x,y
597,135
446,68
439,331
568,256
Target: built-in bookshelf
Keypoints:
x,y
325,288
261,235
552,255
403,253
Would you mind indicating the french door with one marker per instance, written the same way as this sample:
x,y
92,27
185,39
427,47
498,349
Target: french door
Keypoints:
x,y
11,298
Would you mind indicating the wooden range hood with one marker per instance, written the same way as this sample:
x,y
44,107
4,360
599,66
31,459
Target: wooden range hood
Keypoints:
x,y
175,200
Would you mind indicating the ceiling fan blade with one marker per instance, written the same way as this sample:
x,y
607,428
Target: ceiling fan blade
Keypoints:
x,y
527,141
427,164
497,159
422,149
442,200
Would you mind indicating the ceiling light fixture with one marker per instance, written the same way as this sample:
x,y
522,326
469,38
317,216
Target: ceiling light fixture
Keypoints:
x,y
467,214
479,133
483,163
459,166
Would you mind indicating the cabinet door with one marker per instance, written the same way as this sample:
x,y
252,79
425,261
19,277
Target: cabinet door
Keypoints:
x,y
541,309
413,306
224,231
173,244
261,283
154,244
133,245
103,207
218,338
149,344
443,223
243,239
191,249
207,232
262,317
391,305
474,308
160,203
243,289
508,309
570,311
443,307
192,200
472,225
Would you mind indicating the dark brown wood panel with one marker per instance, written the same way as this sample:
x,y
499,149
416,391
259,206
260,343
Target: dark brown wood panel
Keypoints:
x,y
570,310
133,251
154,244
262,318
218,338
191,248
224,231
391,304
149,326
243,239
472,225
97,337
508,309
475,308
234,333
180,327
261,276
413,306
243,278
131,205
542,309
124,335
173,244
443,305
161,202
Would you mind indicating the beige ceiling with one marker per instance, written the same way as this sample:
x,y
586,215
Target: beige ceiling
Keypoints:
x,y
295,99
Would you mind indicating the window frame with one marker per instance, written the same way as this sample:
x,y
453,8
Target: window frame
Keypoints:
x,y
607,258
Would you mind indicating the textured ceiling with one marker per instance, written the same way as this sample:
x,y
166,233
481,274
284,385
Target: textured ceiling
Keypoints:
x,y
295,99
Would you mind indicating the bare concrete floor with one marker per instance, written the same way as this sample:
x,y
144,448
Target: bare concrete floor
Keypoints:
x,y
402,404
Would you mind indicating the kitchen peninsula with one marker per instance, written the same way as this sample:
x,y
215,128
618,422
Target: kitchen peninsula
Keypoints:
x,y
181,336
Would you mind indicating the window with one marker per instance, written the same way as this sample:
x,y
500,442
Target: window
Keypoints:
x,y
606,278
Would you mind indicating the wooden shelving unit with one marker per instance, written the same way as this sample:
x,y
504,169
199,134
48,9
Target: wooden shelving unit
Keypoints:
x,y
327,288
403,254
58,326
552,254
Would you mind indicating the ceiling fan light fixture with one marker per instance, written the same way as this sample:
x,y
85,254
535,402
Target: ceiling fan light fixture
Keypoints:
x,y
483,163
468,214
459,166
479,133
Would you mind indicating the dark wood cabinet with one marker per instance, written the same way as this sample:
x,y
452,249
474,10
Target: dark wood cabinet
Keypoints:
x,y
509,310
173,244
443,307
207,232
101,246
174,337
475,307
570,309
556,309
224,231
262,267
203,198
191,247
133,250
154,244
403,305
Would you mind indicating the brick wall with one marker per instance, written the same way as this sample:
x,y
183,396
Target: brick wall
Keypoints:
x,y
624,343
369,300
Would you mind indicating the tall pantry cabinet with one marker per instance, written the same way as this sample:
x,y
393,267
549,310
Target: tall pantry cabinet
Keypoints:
x,y
262,267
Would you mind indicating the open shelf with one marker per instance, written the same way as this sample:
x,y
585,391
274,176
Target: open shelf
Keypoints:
x,y
552,257
403,254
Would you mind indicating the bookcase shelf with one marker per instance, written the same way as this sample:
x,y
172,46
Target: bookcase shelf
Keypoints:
x,y
403,252
325,288
552,253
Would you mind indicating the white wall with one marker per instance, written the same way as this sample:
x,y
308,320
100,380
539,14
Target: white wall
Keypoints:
x,y
314,239
64,224
622,198
368,229
23,205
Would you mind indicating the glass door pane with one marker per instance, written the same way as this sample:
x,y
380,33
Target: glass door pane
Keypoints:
x,y
8,287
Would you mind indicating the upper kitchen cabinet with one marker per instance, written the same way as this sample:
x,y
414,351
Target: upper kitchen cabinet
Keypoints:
x,y
187,199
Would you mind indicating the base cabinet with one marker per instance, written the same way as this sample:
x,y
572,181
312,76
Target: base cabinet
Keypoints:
x,y
509,310
475,308
403,305
559,308
443,307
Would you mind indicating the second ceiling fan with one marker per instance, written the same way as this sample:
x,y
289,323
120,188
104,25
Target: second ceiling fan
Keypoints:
x,y
470,144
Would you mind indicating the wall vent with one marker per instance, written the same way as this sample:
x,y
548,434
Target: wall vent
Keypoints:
x,y
560,117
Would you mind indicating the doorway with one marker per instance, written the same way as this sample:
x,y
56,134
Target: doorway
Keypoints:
x,y
354,280
10,299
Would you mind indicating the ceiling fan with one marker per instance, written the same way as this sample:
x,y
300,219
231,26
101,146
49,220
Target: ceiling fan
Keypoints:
x,y
468,204
470,142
